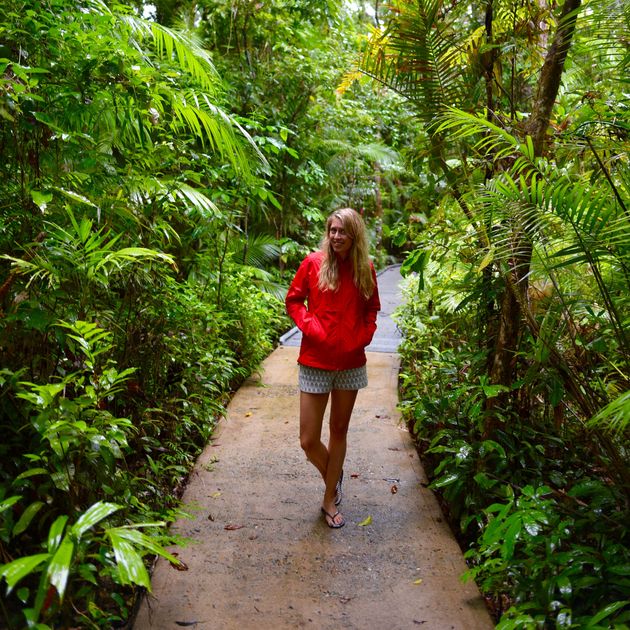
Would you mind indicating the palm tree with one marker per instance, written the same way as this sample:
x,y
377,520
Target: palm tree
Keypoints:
x,y
499,165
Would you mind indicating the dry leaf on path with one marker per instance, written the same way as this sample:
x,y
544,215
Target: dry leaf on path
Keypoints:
x,y
367,521
231,527
179,565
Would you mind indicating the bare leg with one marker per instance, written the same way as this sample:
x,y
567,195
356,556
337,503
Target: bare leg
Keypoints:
x,y
341,406
329,461
312,409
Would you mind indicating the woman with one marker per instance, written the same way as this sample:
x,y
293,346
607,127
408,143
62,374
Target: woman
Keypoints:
x,y
333,300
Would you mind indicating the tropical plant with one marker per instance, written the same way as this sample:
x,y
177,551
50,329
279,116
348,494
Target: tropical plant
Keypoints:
x,y
117,360
523,272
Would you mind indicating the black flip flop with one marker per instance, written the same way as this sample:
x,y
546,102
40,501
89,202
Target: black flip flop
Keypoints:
x,y
332,523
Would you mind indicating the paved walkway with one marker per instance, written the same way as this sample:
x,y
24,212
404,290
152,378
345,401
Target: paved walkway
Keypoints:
x,y
261,555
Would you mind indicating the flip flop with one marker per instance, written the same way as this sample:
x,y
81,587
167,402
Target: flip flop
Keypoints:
x,y
339,495
332,523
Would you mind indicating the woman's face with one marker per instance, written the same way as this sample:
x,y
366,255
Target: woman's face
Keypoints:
x,y
340,241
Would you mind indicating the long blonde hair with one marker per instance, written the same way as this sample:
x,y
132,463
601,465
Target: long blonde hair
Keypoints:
x,y
362,272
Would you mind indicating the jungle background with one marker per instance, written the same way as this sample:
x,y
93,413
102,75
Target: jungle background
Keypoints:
x,y
166,166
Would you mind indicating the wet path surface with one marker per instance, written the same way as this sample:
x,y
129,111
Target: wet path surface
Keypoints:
x,y
260,554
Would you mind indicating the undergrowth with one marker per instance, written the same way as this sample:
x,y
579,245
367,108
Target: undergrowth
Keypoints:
x,y
102,421
538,505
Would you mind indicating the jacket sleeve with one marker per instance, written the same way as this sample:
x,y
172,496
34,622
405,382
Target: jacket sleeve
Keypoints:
x,y
372,307
299,293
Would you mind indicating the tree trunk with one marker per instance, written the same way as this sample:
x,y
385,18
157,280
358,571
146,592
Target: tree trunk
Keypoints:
x,y
551,75
511,321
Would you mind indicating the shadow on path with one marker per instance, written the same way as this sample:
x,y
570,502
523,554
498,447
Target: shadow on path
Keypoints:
x,y
261,555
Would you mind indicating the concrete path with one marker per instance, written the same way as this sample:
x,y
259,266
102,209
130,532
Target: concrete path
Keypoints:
x,y
260,554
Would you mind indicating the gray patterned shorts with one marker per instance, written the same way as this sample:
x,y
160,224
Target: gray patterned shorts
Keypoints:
x,y
315,381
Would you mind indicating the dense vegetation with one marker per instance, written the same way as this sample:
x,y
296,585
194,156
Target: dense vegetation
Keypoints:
x,y
165,168
516,377
158,177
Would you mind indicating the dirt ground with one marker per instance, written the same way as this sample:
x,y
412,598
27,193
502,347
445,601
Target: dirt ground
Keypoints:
x,y
260,554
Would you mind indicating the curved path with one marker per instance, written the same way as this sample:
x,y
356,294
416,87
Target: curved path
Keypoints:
x,y
261,556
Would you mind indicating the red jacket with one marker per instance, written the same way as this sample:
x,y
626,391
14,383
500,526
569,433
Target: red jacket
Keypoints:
x,y
336,325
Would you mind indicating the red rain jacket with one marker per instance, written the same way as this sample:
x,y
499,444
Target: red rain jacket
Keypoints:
x,y
336,325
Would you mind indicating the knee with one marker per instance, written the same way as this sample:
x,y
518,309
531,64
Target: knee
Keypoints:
x,y
338,431
308,443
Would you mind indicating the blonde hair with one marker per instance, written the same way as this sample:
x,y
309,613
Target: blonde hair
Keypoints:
x,y
329,271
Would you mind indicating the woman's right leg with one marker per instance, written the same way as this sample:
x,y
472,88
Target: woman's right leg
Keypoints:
x,y
312,409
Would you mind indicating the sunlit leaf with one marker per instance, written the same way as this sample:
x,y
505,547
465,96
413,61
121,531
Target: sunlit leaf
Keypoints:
x,y
92,516
130,566
14,571
60,566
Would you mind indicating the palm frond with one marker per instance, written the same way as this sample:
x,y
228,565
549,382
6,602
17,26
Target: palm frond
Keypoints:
x,y
143,191
256,250
419,56
614,418
175,46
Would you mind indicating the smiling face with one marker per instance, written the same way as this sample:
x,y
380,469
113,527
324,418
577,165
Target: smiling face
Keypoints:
x,y
339,240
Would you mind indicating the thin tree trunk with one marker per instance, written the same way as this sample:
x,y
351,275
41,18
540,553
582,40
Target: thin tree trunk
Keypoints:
x,y
551,75
511,321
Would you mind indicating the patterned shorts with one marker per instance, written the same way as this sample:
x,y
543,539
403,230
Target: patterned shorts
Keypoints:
x,y
315,381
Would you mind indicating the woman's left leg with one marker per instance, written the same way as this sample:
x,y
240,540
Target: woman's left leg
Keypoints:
x,y
341,406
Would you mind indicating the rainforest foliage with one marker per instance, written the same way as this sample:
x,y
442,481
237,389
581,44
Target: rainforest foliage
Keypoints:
x,y
516,324
166,166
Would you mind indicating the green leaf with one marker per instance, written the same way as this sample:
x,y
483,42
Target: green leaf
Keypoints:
x,y
92,516
606,612
447,480
129,562
27,517
32,472
416,262
60,565
56,532
5,504
487,259
14,571
75,196
132,535
41,199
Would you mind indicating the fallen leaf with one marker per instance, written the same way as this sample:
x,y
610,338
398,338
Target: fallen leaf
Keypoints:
x,y
366,522
210,517
232,527
249,413
394,489
418,581
216,495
